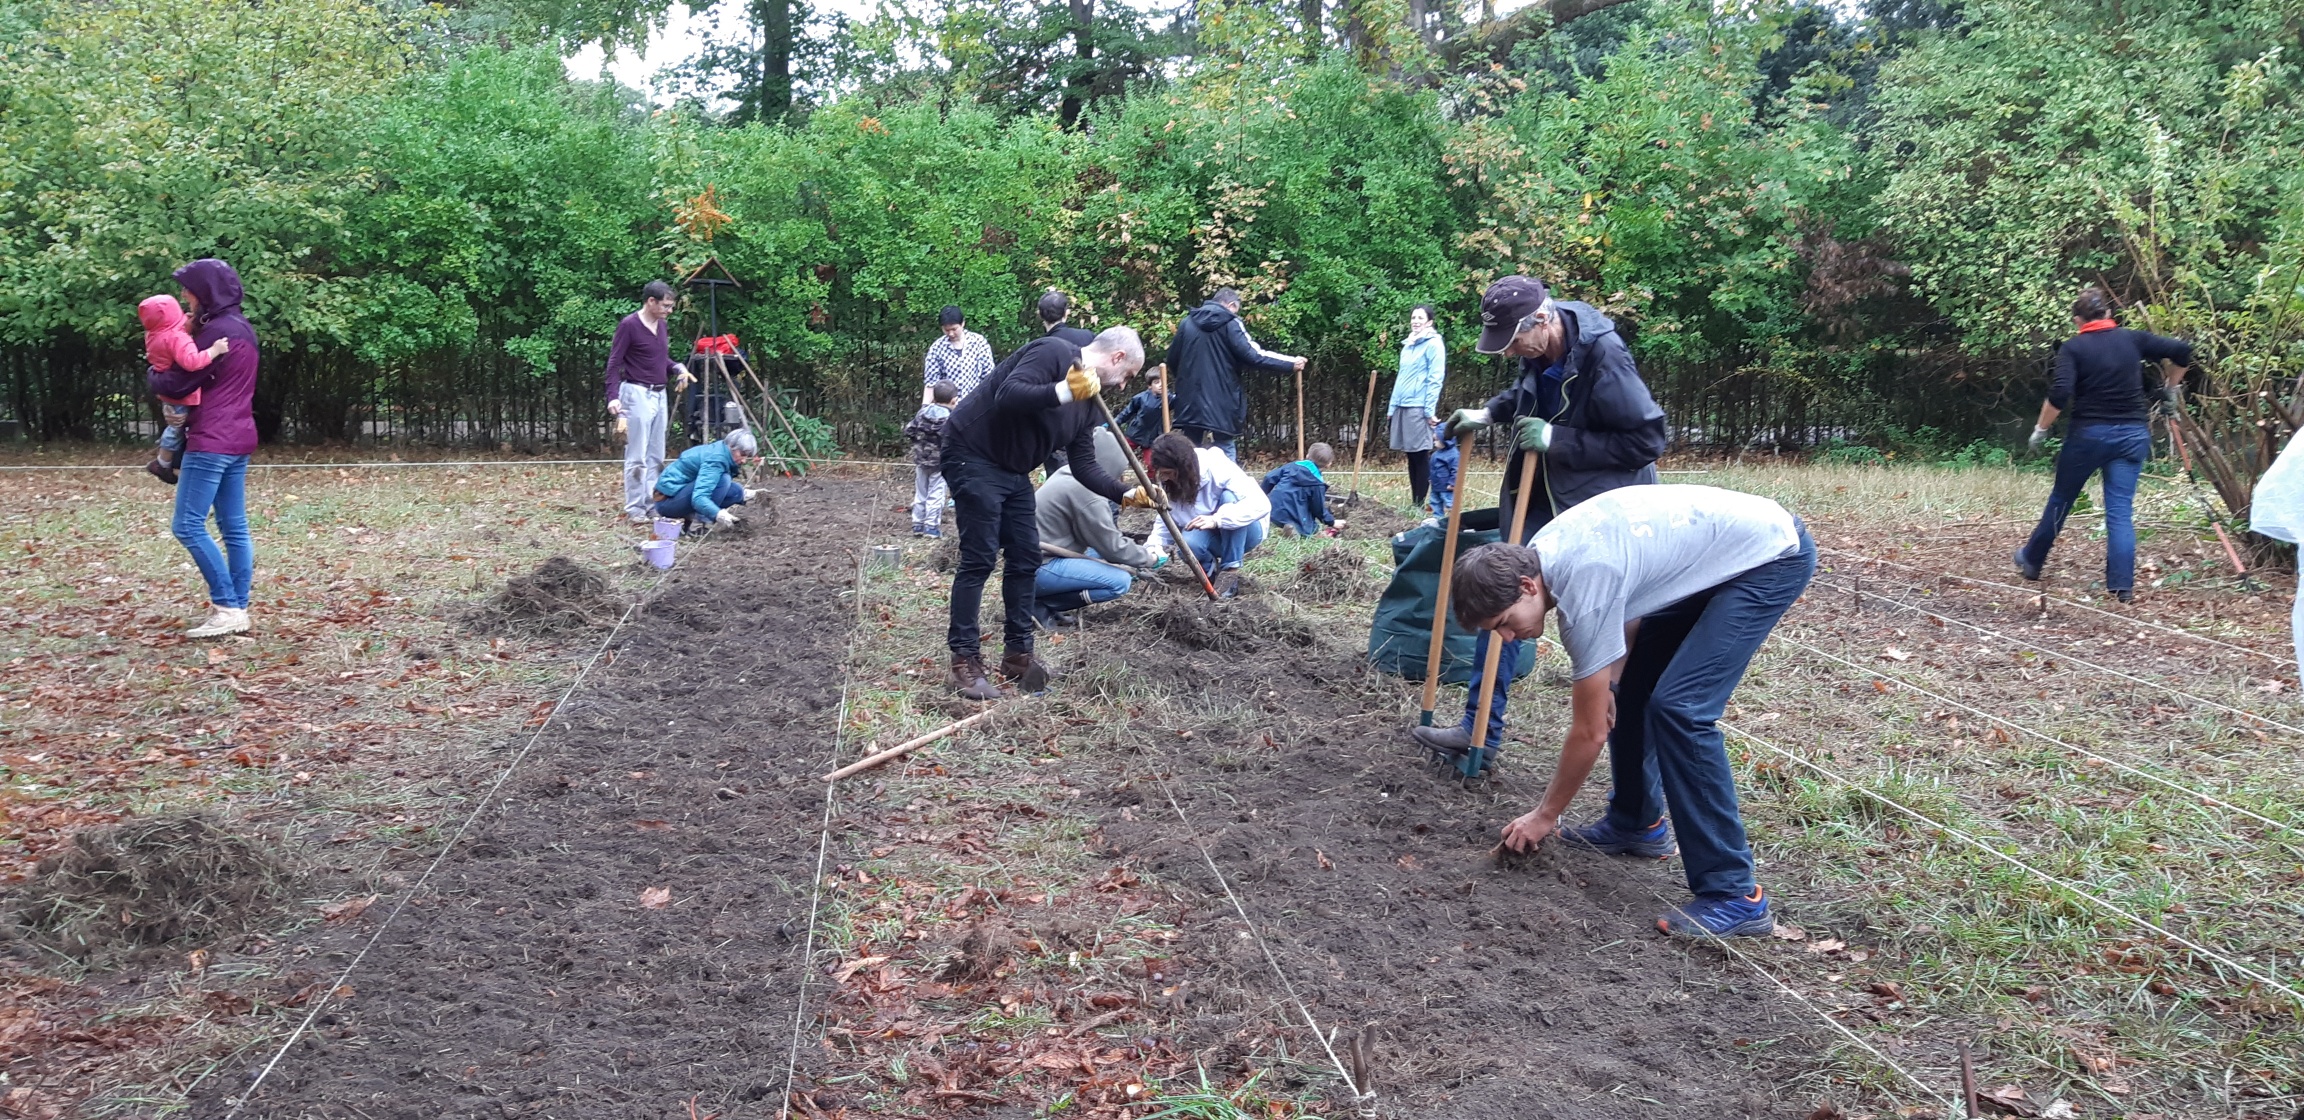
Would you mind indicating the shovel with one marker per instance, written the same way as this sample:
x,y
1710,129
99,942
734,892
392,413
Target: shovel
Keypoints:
x,y
1158,496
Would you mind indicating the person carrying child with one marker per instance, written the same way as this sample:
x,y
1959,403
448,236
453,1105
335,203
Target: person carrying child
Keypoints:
x,y
168,347
1299,493
1442,472
926,431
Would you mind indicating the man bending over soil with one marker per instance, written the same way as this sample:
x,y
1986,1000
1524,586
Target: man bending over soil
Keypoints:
x,y
1665,593
1037,401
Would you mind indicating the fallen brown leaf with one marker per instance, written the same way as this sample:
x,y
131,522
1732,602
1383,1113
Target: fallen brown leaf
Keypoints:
x,y
2008,1100
1326,864
1786,931
339,912
1894,654
852,967
655,898
1827,1111
1825,945
652,826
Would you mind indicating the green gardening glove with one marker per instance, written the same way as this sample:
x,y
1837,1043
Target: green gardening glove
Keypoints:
x,y
1465,421
1530,433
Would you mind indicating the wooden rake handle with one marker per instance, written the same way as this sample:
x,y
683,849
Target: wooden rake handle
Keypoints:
x,y
1136,467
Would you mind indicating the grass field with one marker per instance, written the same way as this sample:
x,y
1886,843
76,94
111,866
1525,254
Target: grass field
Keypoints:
x,y
2066,837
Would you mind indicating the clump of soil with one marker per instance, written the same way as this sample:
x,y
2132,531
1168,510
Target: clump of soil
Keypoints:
x,y
1372,520
1333,575
161,881
1242,625
560,595
981,954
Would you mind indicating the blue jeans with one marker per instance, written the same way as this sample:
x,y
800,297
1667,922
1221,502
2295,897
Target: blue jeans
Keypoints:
x,y
2119,450
1219,549
1439,502
1061,574
1667,750
1203,437
683,504
220,482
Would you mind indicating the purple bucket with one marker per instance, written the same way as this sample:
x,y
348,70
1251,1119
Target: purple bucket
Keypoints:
x,y
667,529
658,553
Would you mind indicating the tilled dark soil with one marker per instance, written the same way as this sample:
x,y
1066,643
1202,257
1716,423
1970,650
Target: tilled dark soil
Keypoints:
x,y
539,973
1534,990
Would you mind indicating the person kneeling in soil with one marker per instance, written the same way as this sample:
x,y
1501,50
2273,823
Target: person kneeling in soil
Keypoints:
x,y
1224,514
701,484
1040,399
1664,593
1299,493
1084,551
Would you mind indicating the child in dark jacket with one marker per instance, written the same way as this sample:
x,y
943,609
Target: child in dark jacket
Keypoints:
x,y
1140,418
1443,473
926,431
1299,493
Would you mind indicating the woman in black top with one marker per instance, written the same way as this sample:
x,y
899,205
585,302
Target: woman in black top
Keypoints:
x,y
2100,379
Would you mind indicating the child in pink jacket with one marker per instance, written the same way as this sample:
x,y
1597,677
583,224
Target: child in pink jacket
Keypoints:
x,y
168,346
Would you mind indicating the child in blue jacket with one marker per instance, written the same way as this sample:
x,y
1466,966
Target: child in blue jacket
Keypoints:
x,y
1443,472
1140,418
1299,493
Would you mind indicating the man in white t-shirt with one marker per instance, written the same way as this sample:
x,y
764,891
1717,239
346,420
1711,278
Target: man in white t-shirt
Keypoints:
x,y
1664,593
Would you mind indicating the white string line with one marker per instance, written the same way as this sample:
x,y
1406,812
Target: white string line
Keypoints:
x,y
321,1000
1367,1097
2077,660
823,848
2030,592
1787,989
2075,748
2074,889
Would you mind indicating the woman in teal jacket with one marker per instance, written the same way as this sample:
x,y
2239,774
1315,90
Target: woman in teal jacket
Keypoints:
x,y
1415,393
701,483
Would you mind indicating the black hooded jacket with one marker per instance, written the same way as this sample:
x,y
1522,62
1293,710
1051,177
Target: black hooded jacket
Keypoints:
x,y
1608,430
1204,363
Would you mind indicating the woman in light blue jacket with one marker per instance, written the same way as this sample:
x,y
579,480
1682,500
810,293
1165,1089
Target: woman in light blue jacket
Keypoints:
x,y
1415,393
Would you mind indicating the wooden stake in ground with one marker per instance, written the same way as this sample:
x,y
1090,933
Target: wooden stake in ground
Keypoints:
x,y
1496,648
1440,608
1299,412
2176,438
1366,408
1167,424
909,745
1159,499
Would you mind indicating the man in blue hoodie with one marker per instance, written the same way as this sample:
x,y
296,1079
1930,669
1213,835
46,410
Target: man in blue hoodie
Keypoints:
x,y
1581,408
1210,349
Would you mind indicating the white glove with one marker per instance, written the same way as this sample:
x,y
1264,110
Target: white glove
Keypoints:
x,y
727,517
750,493
2039,436
615,408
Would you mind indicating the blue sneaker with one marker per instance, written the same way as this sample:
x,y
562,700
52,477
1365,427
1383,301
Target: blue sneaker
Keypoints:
x,y
1654,842
1721,916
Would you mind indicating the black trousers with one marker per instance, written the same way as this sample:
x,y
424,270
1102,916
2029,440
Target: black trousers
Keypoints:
x,y
996,514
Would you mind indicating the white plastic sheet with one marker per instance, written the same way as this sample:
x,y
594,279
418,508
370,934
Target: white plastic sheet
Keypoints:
x,y
2276,510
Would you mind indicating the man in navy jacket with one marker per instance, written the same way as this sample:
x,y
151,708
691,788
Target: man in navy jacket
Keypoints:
x,y
1205,360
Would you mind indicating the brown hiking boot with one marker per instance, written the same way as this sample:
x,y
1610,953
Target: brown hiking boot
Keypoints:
x,y
969,677
1020,668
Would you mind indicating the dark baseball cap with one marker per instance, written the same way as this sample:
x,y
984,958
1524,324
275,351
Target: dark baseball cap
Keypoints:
x,y
1507,303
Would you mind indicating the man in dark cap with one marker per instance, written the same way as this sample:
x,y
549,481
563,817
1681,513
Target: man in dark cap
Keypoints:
x,y
1580,407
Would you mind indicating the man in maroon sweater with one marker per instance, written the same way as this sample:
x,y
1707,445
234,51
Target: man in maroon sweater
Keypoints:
x,y
639,363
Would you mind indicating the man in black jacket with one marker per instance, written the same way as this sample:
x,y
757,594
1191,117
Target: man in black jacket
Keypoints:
x,y
1039,399
1581,408
1055,307
1204,363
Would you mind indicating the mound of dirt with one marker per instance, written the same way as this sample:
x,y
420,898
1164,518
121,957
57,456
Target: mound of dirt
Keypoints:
x,y
1332,575
559,595
1372,520
166,881
1242,625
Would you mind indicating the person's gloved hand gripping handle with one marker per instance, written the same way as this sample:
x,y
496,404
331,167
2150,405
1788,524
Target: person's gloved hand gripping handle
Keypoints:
x,y
1078,385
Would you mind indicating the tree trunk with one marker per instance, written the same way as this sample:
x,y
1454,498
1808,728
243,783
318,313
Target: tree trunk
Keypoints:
x,y
775,90
1494,37
1082,83
1308,13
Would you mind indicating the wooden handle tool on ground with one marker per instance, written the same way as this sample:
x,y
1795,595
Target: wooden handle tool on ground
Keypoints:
x,y
1367,407
909,745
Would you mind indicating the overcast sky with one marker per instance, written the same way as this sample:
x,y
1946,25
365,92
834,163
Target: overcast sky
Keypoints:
x,y
683,36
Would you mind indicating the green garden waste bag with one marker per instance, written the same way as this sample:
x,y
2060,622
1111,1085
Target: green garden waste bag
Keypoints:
x,y
1403,629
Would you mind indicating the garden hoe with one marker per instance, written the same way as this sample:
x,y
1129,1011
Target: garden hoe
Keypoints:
x,y
1159,499
1479,757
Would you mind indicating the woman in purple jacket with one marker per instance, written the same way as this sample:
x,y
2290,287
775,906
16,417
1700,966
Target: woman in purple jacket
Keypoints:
x,y
217,443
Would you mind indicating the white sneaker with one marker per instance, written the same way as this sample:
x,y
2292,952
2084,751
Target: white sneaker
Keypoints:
x,y
221,621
